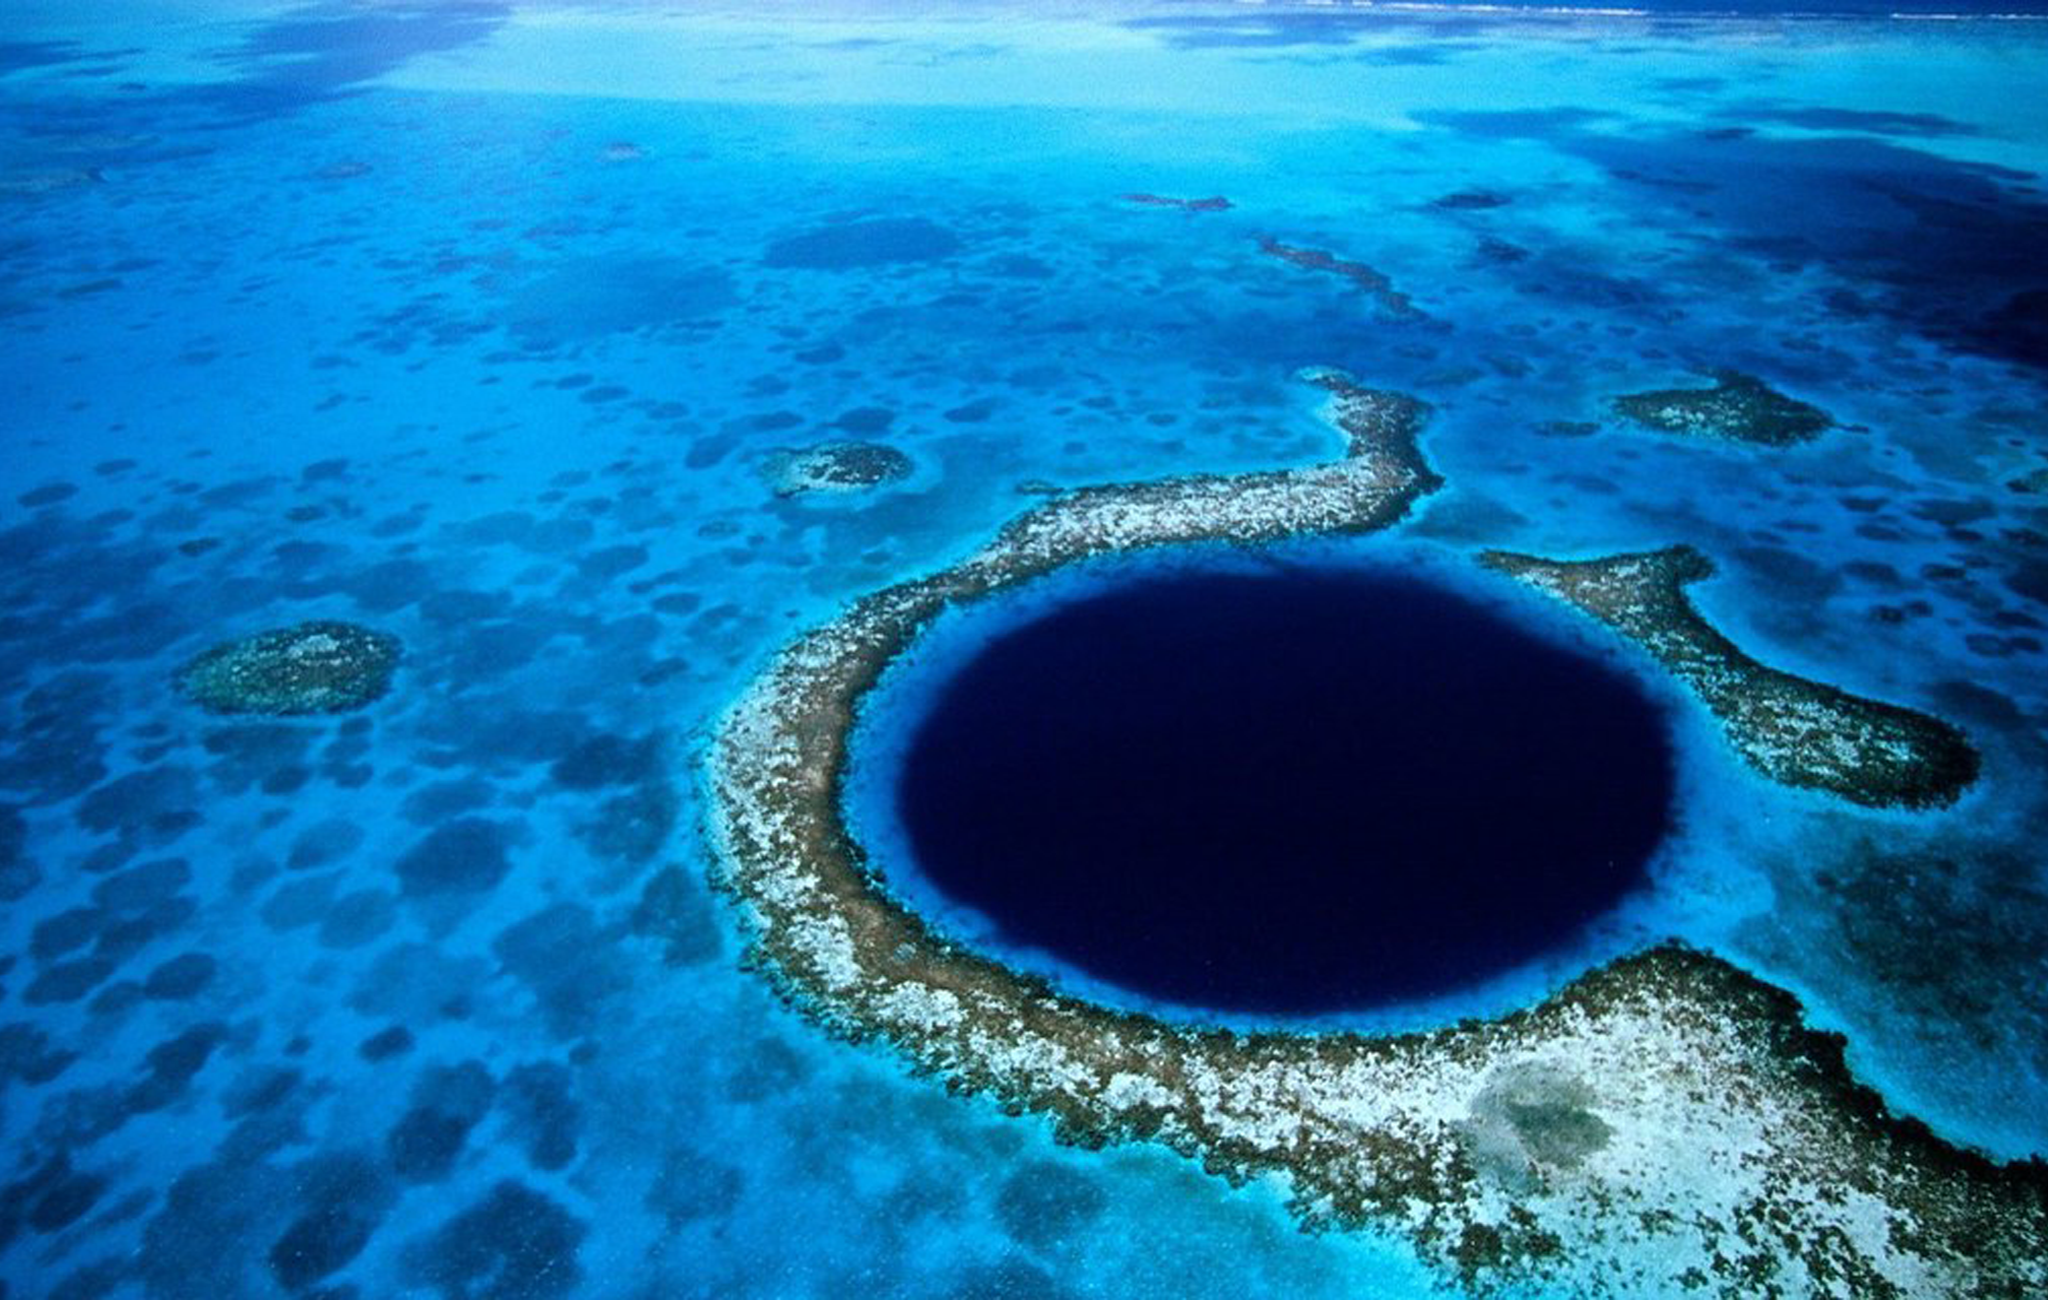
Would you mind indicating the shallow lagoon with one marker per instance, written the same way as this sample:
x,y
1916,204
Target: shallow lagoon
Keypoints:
x,y
469,323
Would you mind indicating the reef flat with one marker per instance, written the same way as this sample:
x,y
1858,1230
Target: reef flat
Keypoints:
x,y
1667,1107
316,667
1795,731
1739,408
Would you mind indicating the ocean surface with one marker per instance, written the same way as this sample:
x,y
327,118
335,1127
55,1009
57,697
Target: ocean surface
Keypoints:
x,y
499,328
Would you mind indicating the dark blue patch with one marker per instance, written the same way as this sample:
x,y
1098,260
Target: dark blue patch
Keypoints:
x,y
1948,249
389,586
52,1197
216,1220
173,1064
17,55
115,998
877,241
595,297
568,962
128,935
465,856
258,754
67,981
611,562
433,804
1868,121
356,918
465,606
48,494
396,1040
181,978
65,932
674,910
632,827
541,1113
18,874
1295,792
143,886
27,1055
326,51
447,1102
345,1197
515,1244
155,802
608,760
1007,1279
1043,1204
323,843
693,1186
865,419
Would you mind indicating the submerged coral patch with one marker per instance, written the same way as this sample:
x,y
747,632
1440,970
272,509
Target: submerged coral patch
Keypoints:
x,y
837,467
1739,407
316,667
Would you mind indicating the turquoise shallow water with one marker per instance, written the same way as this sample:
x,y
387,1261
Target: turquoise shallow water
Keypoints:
x,y
485,325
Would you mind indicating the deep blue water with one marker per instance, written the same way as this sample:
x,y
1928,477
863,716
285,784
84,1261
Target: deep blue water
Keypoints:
x,y
1295,793
486,324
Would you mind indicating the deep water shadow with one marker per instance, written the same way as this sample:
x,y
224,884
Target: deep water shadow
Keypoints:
x,y
323,52
1290,793
1949,250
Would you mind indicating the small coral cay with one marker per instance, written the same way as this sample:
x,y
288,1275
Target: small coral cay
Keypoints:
x,y
837,467
1795,731
316,667
1739,407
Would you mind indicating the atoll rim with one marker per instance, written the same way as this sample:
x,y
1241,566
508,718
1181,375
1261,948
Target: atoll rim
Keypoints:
x,y
315,667
1666,1105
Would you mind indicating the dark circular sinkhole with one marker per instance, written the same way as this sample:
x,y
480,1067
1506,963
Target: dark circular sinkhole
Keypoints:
x,y
1290,792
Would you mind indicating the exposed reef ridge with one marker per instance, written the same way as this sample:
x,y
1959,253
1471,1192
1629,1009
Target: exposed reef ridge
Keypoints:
x,y
316,667
1739,407
1795,731
1374,282
1665,1123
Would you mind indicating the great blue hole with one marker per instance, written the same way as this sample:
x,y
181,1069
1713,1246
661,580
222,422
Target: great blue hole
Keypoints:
x,y
1292,792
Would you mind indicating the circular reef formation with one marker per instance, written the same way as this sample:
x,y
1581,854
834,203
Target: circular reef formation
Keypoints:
x,y
315,667
1665,1124
1198,787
